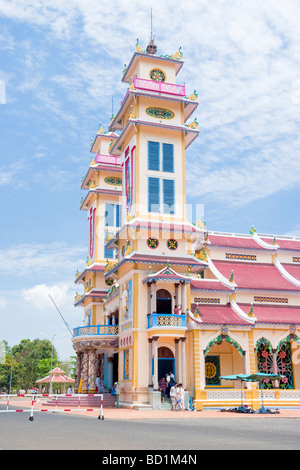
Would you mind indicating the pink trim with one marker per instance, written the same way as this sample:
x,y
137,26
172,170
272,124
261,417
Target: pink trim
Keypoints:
x,y
161,87
109,159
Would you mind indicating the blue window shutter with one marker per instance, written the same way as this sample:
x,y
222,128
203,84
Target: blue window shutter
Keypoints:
x,y
168,196
153,155
168,158
109,215
118,215
153,195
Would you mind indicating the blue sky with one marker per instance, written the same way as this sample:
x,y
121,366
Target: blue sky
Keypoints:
x,y
60,65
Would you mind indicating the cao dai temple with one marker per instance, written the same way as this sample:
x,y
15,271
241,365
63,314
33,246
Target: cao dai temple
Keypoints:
x,y
238,294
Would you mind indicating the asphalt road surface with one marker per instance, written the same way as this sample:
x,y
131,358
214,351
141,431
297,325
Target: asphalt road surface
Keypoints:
x,y
54,431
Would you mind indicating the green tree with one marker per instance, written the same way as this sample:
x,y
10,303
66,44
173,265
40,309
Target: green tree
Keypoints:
x,y
32,359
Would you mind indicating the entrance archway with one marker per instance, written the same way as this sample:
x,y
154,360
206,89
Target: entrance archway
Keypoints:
x,y
166,361
163,301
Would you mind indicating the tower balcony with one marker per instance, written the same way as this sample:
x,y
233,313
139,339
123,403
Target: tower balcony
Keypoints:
x,y
96,331
160,87
166,320
107,159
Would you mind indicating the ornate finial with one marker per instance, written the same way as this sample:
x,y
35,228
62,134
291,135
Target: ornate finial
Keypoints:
x,y
151,48
196,312
100,131
250,313
138,47
131,115
274,241
231,277
253,230
150,272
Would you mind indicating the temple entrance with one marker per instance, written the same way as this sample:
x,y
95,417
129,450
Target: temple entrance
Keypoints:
x,y
163,301
166,361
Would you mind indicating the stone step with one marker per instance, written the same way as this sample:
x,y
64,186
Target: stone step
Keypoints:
x,y
109,401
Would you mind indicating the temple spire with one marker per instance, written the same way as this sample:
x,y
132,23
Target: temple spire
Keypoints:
x,y
151,48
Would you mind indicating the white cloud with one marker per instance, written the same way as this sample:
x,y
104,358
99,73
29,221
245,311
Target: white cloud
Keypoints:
x,y
62,294
43,259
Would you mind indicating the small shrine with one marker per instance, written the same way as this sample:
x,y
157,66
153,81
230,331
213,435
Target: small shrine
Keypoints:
x,y
56,376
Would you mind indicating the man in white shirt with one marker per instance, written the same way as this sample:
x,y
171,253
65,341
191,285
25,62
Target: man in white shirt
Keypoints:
x,y
173,396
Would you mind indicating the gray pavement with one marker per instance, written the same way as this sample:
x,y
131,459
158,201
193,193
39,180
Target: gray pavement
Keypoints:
x,y
55,431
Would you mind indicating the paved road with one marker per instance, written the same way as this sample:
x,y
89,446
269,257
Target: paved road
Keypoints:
x,y
53,431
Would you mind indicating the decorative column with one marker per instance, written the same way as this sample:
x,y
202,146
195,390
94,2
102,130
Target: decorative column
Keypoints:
x,y
275,367
177,360
78,371
202,371
85,372
183,298
149,298
176,294
153,297
155,360
183,362
150,378
92,371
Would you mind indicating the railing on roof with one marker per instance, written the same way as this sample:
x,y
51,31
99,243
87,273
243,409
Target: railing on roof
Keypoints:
x,y
96,330
162,87
166,319
109,159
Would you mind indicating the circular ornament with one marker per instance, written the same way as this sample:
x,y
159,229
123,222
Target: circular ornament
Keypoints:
x,y
172,244
160,113
157,75
152,243
210,370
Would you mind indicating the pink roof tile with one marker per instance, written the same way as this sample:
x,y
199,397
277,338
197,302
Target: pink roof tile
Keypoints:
x,y
207,284
238,242
219,314
285,244
293,269
255,276
274,313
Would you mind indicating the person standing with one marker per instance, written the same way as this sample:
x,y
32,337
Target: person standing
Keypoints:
x,y
177,310
162,387
180,397
173,396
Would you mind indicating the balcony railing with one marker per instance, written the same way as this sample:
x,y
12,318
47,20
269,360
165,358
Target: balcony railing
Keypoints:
x,y
109,159
162,87
96,330
166,319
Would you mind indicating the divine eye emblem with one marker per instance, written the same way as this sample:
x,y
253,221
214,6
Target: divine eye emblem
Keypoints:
x,y
172,244
157,75
152,243
160,113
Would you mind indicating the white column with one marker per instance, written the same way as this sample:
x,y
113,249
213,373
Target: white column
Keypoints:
x,y
150,378
149,298
202,371
183,362
177,360
183,298
275,368
155,359
153,297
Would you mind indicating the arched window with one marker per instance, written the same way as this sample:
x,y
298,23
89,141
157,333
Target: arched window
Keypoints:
x,y
163,301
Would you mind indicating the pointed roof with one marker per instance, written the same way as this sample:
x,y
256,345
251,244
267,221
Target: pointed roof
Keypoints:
x,y
166,274
58,376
